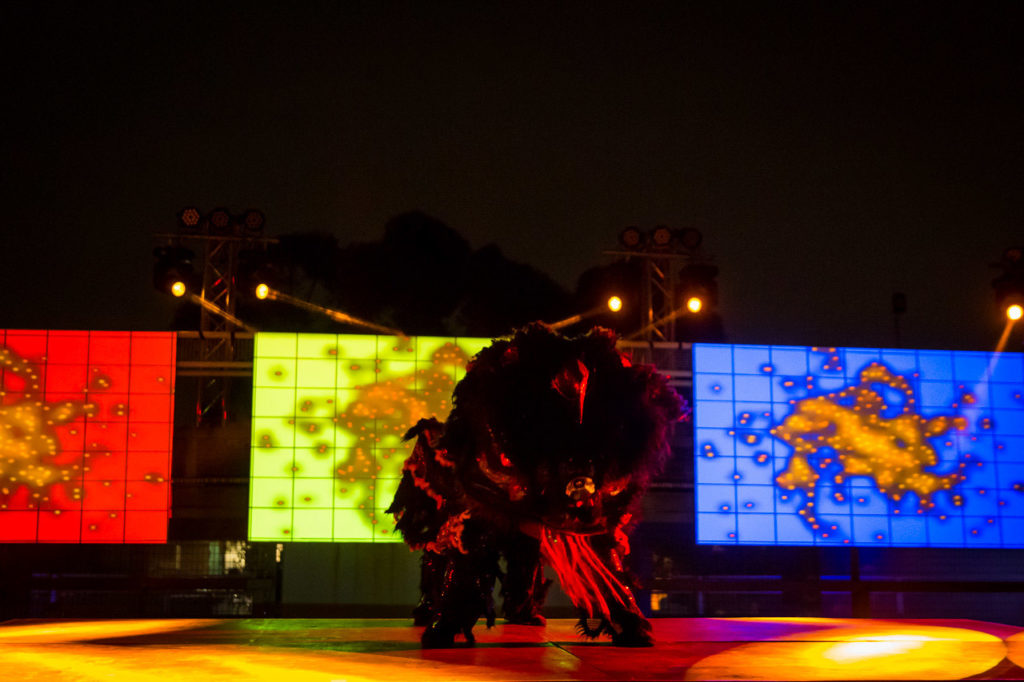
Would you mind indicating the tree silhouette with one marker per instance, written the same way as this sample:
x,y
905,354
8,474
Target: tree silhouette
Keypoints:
x,y
501,295
421,276
411,279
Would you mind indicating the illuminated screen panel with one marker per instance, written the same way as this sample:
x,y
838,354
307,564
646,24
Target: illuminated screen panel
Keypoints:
x,y
85,442
329,413
854,446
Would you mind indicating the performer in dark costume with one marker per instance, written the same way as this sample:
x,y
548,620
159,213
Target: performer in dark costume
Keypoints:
x,y
549,445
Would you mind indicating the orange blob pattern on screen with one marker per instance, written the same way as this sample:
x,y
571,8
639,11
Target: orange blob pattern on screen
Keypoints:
x,y
85,435
330,413
851,428
30,466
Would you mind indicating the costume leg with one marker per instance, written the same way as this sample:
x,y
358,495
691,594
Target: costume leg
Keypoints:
x,y
465,594
523,587
432,567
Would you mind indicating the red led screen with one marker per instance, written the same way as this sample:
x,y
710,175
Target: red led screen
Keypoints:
x,y
85,435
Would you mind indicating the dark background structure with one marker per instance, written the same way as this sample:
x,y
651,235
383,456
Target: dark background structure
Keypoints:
x,y
832,153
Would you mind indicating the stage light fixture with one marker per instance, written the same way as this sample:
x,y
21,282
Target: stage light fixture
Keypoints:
x,y
220,221
257,274
173,272
252,223
661,237
190,220
697,287
1009,286
631,238
689,238
190,217
615,304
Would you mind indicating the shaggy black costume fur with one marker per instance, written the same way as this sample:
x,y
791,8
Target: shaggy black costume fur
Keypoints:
x,y
549,445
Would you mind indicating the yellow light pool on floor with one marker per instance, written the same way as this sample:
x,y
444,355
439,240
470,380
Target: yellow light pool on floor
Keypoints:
x,y
868,650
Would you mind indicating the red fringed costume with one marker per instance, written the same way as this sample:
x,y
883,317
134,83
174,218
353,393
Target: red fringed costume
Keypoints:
x,y
549,445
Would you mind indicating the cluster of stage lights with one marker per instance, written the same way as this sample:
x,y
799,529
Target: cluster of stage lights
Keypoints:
x,y
661,238
174,272
697,285
220,221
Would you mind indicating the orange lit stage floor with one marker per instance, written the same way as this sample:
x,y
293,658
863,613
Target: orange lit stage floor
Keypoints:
x,y
687,649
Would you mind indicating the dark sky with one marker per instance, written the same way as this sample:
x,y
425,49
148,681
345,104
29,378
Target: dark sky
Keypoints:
x,y
831,153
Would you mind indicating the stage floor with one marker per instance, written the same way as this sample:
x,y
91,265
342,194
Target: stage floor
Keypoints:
x,y
687,649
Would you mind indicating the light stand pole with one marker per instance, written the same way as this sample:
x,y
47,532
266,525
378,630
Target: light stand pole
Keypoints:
x,y
219,237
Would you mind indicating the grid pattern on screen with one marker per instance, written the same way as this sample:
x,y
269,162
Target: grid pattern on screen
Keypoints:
x,y
329,414
949,431
85,443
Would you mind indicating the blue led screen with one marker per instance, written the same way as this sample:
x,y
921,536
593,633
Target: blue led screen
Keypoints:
x,y
854,446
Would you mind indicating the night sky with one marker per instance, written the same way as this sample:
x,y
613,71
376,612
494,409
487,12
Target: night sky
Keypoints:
x,y
831,153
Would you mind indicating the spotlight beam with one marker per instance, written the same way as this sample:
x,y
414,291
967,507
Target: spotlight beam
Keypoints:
x,y
997,353
571,320
336,315
1003,339
217,310
616,307
657,323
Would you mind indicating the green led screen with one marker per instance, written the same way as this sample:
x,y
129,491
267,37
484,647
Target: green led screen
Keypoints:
x,y
329,412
